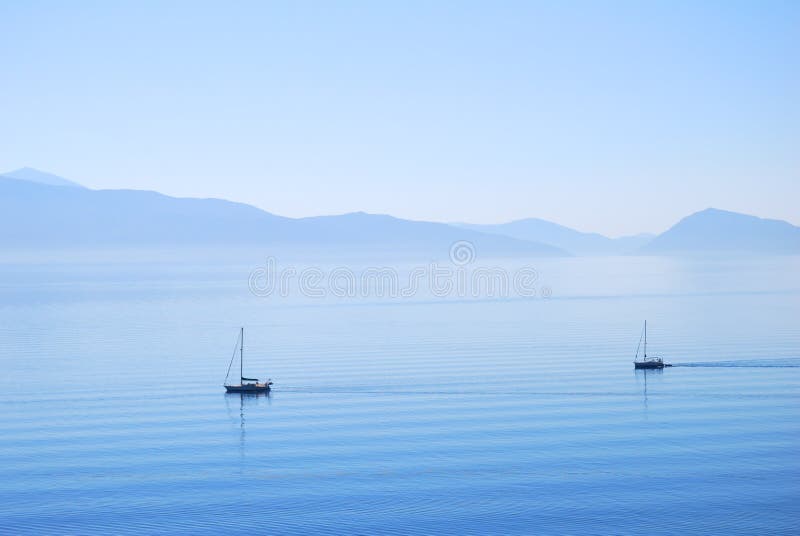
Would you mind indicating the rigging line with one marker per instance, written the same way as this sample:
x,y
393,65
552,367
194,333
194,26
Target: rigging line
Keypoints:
x,y
236,347
638,345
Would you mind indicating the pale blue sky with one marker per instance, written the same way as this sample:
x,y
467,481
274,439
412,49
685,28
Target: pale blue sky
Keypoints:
x,y
616,117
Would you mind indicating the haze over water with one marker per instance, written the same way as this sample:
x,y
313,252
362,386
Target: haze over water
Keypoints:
x,y
460,416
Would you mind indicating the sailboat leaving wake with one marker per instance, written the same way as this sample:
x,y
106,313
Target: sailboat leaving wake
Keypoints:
x,y
787,362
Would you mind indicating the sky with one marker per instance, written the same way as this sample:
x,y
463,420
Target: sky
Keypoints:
x,y
614,117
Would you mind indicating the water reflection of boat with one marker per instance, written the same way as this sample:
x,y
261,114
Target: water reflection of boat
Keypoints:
x,y
247,400
644,373
646,362
245,385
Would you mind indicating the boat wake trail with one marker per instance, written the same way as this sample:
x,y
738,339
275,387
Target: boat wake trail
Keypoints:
x,y
789,362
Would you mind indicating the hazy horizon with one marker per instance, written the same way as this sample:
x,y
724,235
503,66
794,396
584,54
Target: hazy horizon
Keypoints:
x,y
613,121
40,176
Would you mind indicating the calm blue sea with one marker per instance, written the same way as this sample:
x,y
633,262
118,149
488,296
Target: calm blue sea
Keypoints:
x,y
414,415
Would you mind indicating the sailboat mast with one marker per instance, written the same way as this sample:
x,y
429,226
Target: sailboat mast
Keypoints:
x,y
241,359
645,338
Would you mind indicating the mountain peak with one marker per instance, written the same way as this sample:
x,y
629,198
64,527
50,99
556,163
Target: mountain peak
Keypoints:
x,y
715,230
711,211
34,175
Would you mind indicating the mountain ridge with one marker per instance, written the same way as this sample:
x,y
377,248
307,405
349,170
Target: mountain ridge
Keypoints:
x,y
39,215
41,177
576,242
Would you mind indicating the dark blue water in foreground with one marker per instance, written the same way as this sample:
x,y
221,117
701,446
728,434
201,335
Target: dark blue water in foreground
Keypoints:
x,y
514,416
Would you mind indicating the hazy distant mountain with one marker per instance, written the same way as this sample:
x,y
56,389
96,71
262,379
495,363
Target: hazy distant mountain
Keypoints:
x,y
35,215
34,175
40,210
713,230
546,232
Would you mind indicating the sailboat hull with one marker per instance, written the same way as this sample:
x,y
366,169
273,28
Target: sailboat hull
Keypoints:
x,y
248,388
648,365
